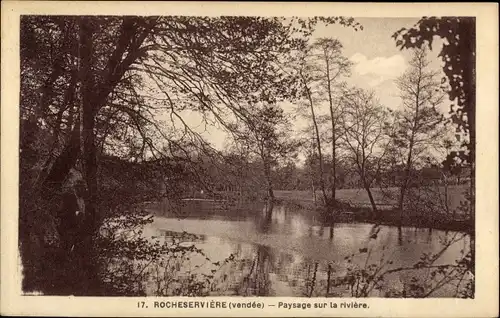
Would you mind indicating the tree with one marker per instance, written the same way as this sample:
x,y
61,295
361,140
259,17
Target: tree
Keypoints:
x,y
320,68
365,137
418,121
332,66
311,166
307,79
92,86
458,54
267,137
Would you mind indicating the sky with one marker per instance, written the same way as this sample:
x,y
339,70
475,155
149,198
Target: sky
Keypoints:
x,y
377,60
377,63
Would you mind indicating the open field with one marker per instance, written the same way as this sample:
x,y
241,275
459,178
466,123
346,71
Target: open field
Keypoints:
x,y
359,197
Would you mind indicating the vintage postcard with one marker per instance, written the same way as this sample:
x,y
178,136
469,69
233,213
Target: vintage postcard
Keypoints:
x,y
249,159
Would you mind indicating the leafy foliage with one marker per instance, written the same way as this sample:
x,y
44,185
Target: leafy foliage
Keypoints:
x,y
93,88
458,54
133,265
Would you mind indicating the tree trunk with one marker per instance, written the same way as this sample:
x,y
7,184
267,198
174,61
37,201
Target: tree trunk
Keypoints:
x,y
313,191
404,186
372,201
318,145
446,201
267,171
86,252
334,141
334,165
402,192
62,165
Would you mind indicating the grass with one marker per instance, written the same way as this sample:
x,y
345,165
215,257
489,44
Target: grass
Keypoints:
x,y
357,199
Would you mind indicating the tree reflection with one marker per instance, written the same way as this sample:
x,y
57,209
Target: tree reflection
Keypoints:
x,y
328,219
264,223
257,281
312,283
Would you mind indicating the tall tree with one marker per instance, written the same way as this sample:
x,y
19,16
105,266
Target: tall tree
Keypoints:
x,y
332,66
458,53
321,67
418,122
365,137
306,74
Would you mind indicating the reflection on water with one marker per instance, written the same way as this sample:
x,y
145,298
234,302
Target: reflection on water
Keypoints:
x,y
287,253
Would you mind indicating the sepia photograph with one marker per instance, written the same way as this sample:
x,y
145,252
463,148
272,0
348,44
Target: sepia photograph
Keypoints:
x,y
325,156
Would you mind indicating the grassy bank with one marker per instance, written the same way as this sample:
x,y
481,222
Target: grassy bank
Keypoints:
x,y
385,199
353,201
357,202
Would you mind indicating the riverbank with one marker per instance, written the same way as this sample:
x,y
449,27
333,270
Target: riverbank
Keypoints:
x,y
356,203
354,207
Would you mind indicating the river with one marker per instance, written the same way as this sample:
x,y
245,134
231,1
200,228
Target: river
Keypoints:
x,y
292,253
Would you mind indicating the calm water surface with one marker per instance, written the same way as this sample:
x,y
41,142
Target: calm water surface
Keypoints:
x,y
293,253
